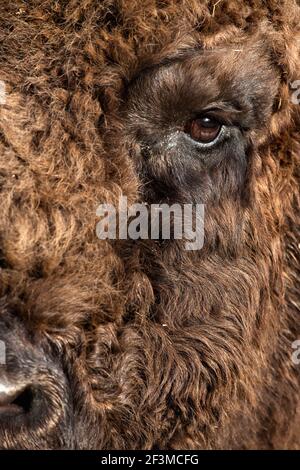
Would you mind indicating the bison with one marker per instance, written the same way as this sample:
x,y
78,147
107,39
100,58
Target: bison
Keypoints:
x,y
143,344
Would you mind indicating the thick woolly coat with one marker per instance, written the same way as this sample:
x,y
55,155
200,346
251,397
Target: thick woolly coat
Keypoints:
x,y
141,345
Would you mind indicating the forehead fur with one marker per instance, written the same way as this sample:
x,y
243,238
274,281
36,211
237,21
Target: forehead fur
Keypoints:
x,y
242,81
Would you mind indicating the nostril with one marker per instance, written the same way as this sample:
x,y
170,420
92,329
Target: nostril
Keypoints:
x,y
24,400
15,399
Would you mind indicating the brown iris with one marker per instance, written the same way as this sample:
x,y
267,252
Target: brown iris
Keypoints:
x,y
203,129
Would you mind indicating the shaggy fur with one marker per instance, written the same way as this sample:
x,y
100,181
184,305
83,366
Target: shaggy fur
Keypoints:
x,y
142,345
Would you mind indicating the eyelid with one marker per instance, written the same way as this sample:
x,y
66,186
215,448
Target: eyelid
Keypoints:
x,y
216,115
226,113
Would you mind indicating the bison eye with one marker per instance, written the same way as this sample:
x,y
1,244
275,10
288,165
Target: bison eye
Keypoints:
x,y
203,129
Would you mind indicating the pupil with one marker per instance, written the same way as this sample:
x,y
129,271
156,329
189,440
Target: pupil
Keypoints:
x,y
208,122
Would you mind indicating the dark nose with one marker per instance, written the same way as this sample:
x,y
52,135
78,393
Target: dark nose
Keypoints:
x,y
15,398
36,411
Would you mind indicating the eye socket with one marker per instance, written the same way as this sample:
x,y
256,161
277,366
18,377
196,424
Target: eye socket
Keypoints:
x,y
203,129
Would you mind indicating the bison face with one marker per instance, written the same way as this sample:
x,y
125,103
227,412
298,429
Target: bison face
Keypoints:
x,y
142,344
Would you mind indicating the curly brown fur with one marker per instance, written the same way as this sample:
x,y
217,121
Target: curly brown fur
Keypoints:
x,y
140,345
